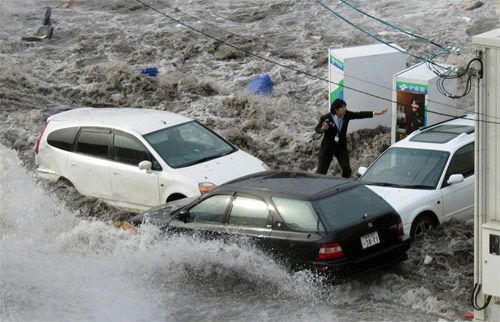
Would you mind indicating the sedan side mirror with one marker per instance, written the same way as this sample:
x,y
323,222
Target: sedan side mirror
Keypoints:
x,y
184,215
145,165
455,178
362,170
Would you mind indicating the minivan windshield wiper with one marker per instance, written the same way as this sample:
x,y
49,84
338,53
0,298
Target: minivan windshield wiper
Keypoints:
x,y
205,159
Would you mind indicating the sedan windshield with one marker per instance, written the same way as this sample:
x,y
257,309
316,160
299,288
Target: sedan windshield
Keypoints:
x,y
187,144
407,168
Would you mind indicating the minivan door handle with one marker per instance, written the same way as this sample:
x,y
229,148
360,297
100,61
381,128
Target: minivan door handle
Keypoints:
x,y
117,174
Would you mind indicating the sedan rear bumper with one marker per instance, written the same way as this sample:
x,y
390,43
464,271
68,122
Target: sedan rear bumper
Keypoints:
x,y
343,269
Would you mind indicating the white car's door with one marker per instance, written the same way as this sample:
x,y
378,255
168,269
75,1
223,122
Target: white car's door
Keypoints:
x,y
88,166
131,185
458,198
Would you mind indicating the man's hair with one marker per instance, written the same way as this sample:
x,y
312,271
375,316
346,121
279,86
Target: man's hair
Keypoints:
x,y
415,99
338,103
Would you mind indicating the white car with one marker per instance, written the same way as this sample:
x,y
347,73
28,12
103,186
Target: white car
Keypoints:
x,y
428,177
137,158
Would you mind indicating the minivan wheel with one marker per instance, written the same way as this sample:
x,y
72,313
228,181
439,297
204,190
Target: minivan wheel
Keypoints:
x,y
421,225
175,196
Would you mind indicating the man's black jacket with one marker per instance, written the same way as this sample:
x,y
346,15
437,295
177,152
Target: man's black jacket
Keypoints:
x,y
329,137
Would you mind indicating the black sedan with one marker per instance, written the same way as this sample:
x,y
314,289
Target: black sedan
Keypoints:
x,y
333,225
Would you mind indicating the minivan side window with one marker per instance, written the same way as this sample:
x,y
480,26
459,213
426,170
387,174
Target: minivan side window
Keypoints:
x,y
129,150
63,138
249,212
94,143
461,163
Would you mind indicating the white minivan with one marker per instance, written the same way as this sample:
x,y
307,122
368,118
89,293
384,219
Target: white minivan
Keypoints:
x,y
137,158
428,177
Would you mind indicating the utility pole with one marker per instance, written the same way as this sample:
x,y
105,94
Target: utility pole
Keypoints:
x,y
486,297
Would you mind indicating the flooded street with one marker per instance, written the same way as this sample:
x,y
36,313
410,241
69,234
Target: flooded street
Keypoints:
x,y
61,256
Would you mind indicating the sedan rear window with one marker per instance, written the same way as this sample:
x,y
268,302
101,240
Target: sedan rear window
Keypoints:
x,y
298,214
350,206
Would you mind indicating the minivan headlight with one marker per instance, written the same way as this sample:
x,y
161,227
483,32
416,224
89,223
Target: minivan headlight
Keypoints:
x,y
206,187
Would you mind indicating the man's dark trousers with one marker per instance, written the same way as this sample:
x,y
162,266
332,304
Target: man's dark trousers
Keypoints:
x,y
325,159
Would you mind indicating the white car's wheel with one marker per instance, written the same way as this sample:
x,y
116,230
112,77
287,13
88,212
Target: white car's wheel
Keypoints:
x,y
421,225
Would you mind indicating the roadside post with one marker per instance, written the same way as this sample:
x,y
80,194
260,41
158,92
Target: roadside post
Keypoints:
x,y
486,297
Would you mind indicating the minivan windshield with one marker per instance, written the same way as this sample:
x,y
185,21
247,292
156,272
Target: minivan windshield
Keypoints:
x,y
188,144
350,206
407,168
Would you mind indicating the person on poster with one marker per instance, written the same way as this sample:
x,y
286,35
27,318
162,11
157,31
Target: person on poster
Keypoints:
x,y
415,117
334,126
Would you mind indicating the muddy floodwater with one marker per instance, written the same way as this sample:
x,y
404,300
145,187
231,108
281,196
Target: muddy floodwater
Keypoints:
x,y
63,259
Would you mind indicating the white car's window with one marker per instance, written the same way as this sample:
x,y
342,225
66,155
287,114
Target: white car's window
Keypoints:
x,y
249,212
63,138
298,214
462,162
129,150
94,143
407,168
187,144
210,210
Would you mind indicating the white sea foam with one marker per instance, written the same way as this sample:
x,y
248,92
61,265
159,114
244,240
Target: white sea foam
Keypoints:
x,y
61,257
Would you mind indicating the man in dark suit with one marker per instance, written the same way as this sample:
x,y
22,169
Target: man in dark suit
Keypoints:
x,y
334,143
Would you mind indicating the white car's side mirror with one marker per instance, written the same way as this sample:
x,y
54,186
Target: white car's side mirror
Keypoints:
x,y
362,170
145,165
455,178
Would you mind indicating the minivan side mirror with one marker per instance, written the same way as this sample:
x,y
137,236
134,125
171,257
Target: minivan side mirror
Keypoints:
x,y
455,178
184,215
145,165
362,170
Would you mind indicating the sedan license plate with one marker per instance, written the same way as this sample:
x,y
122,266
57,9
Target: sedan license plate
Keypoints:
x,y
370,240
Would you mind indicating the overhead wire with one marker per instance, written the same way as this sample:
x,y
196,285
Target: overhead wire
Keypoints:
x,y
443,50
393,26
202,20
368,33
444,74
380,20
250,53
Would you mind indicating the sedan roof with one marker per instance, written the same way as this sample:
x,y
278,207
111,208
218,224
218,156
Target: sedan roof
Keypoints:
x,y
299,185
141,120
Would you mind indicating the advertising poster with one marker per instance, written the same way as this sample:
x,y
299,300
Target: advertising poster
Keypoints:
x,y
336,77
411,108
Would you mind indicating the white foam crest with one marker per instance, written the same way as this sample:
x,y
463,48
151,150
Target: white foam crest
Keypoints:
x,y
46,275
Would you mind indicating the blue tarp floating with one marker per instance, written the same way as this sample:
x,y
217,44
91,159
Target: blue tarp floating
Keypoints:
x,y
261,85
150,71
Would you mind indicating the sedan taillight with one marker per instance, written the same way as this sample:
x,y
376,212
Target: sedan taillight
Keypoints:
x,y
330,251
401,230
